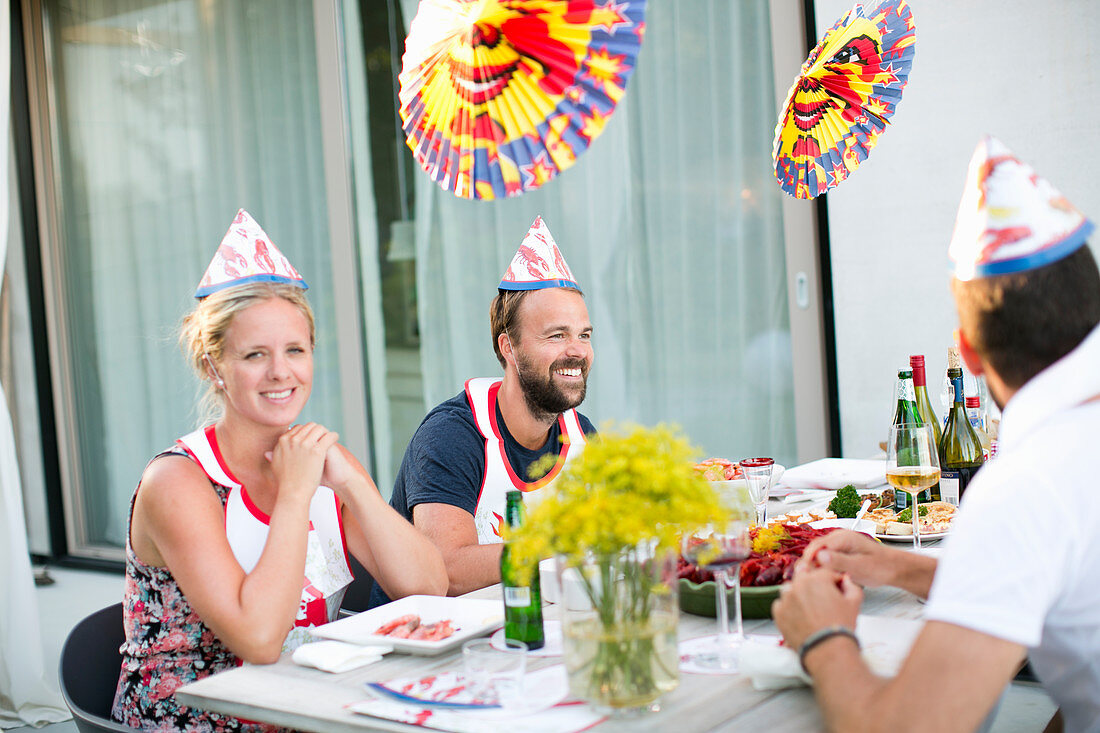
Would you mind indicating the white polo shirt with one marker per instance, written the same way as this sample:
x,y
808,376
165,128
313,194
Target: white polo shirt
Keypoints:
x,y
1023,560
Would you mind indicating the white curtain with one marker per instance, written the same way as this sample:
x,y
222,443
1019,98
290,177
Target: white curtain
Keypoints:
x,y
28,692
171,116
671,224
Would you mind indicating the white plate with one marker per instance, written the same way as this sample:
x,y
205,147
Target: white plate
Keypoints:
x,y
866,526
908,538
470,617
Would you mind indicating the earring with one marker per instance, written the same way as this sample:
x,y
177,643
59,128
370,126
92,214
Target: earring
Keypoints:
x,y
221,383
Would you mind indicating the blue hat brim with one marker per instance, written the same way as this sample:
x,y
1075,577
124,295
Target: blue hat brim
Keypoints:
x,y
538,285
262,278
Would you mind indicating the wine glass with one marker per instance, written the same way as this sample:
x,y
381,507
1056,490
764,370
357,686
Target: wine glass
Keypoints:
x,y
912,464
758,475
721,547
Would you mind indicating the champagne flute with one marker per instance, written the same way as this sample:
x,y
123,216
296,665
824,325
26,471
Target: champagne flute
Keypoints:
x,y
758,475
721,548
912,464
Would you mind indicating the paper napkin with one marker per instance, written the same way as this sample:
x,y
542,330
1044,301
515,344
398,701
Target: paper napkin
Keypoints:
x,y
338,656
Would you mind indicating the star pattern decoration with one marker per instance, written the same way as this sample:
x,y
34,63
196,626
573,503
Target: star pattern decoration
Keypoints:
x,y
604,69
592,124
538,171
610,16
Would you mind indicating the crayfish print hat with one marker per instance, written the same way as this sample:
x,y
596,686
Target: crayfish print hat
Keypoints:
x,y
1010,218
538,263
247,255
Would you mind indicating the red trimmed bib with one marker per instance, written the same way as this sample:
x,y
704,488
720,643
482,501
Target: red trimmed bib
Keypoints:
x,y
499,477
327,573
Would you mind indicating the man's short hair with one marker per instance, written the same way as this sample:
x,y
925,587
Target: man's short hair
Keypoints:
x,y
1023,322
504,316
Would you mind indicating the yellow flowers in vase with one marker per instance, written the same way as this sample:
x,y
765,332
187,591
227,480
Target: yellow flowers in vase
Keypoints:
x,y
614,521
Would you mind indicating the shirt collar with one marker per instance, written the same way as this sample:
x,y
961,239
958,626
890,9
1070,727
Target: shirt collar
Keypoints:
x,y
1073,379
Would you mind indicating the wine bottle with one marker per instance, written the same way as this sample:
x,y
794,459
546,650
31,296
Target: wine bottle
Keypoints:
x,y
960,449
906,412
522,598
974,415
924,407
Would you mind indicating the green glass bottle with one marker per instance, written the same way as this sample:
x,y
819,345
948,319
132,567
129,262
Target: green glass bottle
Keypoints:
x,y
960,448
522,600
924,407
906,412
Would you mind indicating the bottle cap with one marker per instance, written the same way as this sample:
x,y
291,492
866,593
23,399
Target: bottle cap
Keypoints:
x,y
916,360
973,401
953,360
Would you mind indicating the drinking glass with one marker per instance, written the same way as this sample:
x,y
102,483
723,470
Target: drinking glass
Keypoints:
x,y
758,475
721,548
912,464
495,675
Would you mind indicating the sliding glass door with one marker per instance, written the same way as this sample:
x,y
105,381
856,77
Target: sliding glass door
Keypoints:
x,y
160,120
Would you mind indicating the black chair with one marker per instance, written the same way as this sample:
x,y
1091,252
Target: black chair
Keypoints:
x,y
357,596
89,669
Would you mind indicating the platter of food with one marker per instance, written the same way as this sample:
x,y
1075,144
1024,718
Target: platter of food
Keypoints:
x,y
935,522
423,625
776,549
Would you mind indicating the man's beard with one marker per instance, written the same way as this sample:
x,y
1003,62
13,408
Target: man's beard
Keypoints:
x,y
544,398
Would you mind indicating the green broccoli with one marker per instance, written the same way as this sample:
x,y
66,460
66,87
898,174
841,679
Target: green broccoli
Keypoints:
x,y
846,503
907,515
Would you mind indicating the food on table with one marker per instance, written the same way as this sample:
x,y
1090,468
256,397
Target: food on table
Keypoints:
x,y
776,548
410,627
846,503
934,517
718,469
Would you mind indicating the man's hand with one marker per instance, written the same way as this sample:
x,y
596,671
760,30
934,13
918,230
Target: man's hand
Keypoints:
x,y
868,562
815,599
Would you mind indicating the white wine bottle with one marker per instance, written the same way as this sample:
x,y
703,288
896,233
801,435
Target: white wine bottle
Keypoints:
x,y
960,449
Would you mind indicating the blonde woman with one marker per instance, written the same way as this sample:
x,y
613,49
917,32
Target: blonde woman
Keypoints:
x,y
240,534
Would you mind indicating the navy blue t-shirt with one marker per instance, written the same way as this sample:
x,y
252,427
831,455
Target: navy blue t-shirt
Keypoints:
x,y
445,461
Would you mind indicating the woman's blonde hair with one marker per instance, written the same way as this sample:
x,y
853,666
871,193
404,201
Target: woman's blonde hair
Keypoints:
x,y
203,331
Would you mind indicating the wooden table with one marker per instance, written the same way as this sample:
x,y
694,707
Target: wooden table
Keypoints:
x,y
307,699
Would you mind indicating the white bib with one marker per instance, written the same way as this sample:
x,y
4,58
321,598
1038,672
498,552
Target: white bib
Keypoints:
x,y
327,573
500,477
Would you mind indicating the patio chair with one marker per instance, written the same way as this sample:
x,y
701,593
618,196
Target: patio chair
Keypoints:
x,y
89,668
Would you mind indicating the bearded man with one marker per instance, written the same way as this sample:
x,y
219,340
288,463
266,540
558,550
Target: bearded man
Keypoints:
x,y
470,450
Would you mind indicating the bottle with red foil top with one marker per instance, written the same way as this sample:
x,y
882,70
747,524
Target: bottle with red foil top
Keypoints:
x,y
924,406
974,414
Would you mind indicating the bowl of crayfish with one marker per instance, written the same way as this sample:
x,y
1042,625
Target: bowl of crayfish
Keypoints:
x,y
775,550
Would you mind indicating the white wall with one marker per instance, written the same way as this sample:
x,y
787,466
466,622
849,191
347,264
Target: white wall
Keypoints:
x,y
1024,71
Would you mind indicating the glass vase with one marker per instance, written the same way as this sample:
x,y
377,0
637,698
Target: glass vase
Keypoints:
x,y
619,622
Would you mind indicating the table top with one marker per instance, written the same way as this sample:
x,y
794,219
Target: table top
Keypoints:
x,y
292,696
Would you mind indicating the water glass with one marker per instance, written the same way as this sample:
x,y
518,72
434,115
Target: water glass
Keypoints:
x,y
495,676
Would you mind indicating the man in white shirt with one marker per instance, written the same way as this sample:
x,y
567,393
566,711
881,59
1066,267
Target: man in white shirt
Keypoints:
x,y
1020,573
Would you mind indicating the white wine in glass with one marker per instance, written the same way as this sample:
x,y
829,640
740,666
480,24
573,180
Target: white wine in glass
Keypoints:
x,y
912,464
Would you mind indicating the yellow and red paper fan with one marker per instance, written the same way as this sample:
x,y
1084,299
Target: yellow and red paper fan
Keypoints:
x,y
498,96
845,93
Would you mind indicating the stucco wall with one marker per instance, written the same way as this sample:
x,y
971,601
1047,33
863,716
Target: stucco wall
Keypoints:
x,y
1026,72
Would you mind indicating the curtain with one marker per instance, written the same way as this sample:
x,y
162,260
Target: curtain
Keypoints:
x,y
671,224
28,692
170,116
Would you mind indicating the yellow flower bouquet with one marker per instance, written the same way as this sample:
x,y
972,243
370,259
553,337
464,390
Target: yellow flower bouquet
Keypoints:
x,y
614,519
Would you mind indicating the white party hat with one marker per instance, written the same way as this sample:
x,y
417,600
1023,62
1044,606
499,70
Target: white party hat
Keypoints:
x,y
538,263
246,255
1010,218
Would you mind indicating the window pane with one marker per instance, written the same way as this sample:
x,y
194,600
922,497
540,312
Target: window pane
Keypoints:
x,y
169,117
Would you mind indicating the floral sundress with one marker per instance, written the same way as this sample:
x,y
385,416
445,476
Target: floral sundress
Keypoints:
x,y
167,646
